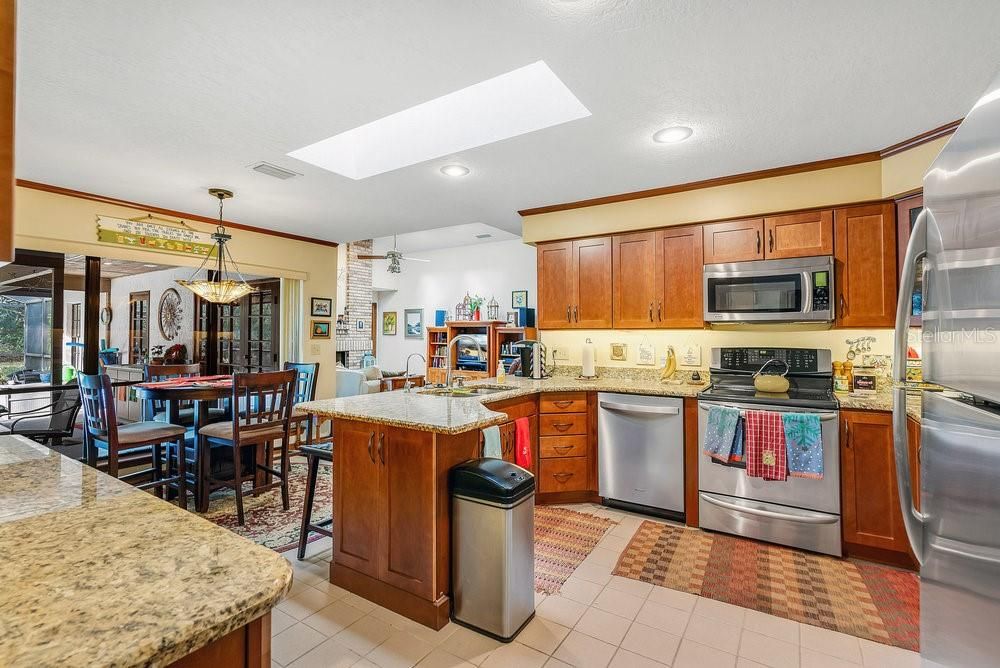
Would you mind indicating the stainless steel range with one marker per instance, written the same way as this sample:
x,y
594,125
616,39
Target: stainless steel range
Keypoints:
x,y
799,512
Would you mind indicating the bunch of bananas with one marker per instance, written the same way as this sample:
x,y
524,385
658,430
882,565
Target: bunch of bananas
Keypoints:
x,y
670,367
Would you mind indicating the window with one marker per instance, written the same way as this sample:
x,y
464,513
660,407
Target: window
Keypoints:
x,y
138,327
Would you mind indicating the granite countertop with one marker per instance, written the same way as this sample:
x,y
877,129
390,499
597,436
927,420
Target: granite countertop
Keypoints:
x,y
880,401
453,415
96,572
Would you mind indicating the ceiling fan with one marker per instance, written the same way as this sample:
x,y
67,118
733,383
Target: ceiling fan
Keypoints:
x,y
393,256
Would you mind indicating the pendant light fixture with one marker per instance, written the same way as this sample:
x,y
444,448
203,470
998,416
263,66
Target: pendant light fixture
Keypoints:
x,y
220,288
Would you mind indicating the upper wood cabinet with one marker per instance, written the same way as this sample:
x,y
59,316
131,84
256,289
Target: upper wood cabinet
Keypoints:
x,y
679,272
799,234
574,284
637,290
592,283
8,25
555,285
865,265
734,241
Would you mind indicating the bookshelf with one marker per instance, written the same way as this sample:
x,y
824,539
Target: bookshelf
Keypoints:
x,y
496,334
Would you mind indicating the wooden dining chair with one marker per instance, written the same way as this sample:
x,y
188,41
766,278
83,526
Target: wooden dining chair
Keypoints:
x,y
302,426
158,410
267,400
101,431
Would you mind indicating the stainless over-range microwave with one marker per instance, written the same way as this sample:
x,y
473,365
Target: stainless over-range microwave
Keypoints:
x,y
793,290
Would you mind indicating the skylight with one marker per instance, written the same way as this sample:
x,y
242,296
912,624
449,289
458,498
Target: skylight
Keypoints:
x,y
527,99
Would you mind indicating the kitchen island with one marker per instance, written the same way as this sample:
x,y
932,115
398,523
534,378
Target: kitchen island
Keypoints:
x,y
392,532
99,573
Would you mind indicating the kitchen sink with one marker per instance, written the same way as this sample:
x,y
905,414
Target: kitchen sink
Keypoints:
x,y
468,391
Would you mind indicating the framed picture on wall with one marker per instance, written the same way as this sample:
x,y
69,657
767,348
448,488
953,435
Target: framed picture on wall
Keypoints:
x,y
321,307
413,323
388,323
320,329
519,299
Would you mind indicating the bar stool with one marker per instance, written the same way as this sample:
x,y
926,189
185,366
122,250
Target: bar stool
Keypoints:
x,y
315,453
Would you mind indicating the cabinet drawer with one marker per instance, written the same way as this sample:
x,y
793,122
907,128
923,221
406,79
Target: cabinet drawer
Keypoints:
x,y
565,474
563,424
562,446
563,402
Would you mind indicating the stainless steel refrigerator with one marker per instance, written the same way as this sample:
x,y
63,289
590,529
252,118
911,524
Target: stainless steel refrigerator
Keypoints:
x,y
956,533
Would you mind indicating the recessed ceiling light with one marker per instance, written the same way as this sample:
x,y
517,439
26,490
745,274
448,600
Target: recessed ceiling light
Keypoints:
x,y
527,99
454,170
672,135
152,266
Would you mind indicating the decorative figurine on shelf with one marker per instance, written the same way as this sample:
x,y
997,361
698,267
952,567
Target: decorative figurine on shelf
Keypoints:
x,y
493,309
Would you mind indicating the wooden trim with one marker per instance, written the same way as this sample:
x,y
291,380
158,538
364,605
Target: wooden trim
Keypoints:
x,y
691,461
104,199
434,614
8,57
710,183
772,172
907,194
92,314
920,139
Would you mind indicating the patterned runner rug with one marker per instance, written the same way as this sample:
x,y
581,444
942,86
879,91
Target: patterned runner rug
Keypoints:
x,y
267,523
563,539
858,598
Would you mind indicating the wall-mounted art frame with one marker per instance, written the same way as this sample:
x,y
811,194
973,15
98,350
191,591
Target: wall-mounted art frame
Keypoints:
x,y
389,321
319,329
413,323
321,307
519,299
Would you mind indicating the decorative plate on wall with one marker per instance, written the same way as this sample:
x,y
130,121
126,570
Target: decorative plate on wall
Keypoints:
x,y
170,314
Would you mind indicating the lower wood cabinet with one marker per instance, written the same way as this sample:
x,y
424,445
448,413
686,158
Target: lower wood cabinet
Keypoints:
x,y
522,407
563,474
872,519
381,506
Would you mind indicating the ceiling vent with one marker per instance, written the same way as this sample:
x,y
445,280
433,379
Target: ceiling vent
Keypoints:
x,y
485,235
274,170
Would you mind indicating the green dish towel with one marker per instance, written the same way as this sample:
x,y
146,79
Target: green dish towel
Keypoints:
x,y
491,442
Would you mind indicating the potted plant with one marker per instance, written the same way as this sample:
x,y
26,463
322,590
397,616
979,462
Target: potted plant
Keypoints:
x,y
176,354
475,302
156,354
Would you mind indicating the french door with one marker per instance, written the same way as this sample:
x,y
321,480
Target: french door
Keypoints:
x,y
246,331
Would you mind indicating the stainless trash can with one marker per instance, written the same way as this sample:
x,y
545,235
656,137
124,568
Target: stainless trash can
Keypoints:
x,y
493,547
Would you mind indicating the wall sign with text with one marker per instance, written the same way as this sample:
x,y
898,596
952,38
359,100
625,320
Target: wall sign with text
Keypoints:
x,y
153,236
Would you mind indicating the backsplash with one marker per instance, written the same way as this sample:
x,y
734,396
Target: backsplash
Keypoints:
x,y
568,344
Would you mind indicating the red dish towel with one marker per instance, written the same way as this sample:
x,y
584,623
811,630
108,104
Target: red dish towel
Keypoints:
x,y
522,443
765,446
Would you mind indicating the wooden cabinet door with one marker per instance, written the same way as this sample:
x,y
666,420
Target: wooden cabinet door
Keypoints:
x,y
356,496
507,441
405,510
913,443
734,241
634,278
592,278
865,261
556,293
871,514
799,234
679,271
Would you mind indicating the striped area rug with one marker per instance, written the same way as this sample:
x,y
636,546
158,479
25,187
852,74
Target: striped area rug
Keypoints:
x,y
858,598
563,539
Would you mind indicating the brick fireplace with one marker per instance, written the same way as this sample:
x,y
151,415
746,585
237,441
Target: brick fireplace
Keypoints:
x,y
353,341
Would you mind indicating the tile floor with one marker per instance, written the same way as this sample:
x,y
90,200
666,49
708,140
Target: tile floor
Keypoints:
x,y
595,620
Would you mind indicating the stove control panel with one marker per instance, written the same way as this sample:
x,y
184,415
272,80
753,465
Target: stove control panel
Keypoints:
x,y
799,360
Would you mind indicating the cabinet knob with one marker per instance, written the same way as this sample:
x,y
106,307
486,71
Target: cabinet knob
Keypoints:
x,y
562,477
371,443
758,242
651,311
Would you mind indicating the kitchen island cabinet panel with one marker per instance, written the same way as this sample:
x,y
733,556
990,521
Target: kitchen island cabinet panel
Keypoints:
x,y
356,491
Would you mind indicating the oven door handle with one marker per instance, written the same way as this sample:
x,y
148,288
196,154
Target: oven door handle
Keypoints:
x,y
632,408
771,514
823,417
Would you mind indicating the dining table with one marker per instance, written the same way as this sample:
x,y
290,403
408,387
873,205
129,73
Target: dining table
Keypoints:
x,y
202,392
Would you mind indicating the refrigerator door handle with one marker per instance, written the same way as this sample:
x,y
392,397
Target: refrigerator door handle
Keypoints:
x,y
913,520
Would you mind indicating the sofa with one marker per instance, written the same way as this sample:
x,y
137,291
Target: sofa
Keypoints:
x,y
351,382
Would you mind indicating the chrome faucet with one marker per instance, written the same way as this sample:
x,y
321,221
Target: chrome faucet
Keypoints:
x,y
407,383
451,345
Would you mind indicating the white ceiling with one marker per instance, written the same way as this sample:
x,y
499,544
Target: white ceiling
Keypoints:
x,y
157,101
444,237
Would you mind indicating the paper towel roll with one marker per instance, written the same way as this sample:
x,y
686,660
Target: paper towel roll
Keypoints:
x,y
589,353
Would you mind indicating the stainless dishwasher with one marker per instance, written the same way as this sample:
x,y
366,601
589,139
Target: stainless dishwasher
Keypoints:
x,y
640,450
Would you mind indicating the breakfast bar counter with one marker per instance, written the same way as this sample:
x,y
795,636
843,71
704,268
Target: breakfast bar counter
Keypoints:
x,y
98,573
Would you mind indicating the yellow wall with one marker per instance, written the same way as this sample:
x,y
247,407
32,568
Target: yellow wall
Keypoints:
x,y
873,180
58,223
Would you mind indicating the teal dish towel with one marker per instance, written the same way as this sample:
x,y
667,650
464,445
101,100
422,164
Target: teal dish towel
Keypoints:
x,y
804,444
491,443
721,432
